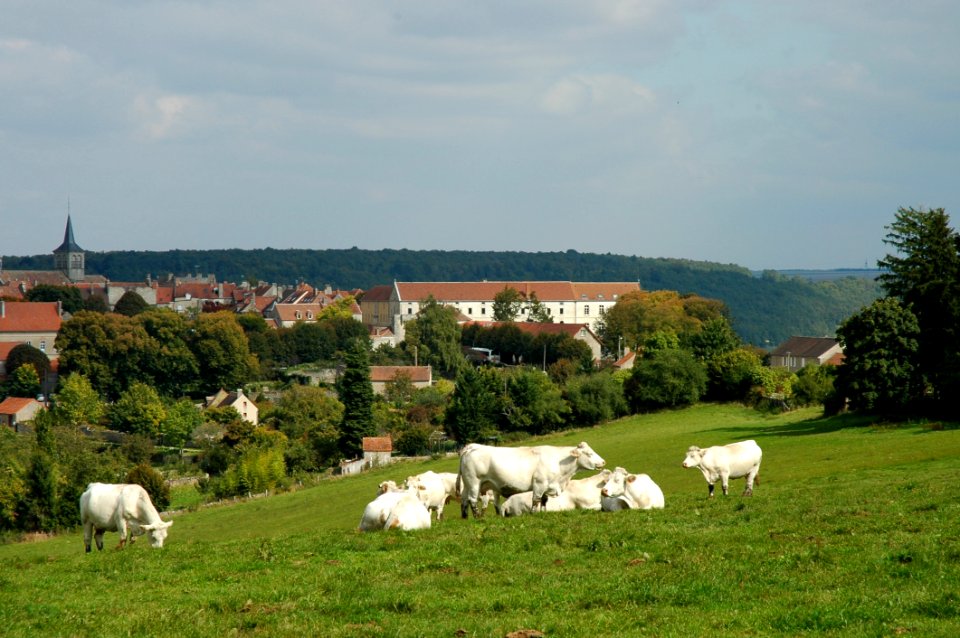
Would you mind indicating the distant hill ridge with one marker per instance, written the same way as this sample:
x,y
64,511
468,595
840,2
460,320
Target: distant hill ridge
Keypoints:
x,y
765,309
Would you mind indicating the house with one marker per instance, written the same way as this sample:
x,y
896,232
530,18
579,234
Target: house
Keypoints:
x,y
626,362
33,322
380,376
236,400
15,411
567,302
797,352
306,303
377,450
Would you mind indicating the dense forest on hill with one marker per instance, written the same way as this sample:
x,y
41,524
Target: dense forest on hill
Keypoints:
x,y
765,310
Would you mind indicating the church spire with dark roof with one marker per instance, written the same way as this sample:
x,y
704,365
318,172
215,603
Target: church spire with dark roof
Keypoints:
x,y
68,245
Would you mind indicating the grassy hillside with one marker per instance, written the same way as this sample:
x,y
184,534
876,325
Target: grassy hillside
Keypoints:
x,y
854,530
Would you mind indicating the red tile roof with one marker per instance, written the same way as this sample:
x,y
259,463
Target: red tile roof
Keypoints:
x,y
29,316
534,328
487,290
6,347
13,405
378,293
377,444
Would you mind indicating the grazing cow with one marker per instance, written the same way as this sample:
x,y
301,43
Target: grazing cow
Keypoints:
x,y
638,491
123,508
543,470
399,509
726,462
431,490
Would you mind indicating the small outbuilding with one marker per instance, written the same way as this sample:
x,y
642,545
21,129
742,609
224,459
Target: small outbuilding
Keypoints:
x,y
15,411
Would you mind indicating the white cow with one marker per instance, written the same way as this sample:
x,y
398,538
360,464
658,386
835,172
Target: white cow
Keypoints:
x,y
726,462
543,470
123,508
388,486
394,509
409,513
579,494
432,490
638,491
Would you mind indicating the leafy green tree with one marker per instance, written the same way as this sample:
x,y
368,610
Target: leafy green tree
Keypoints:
x,y
25,382
507,304
925,276
77,403
436,335
814,385
730,374
772,388
24,353
399,390
130,304
348,331
594,398
472,413
311,342
167,361
537,312
310,417
532,402
880,345
180,420
665,379
96,303
356,394
69,296
108,349
222,350
715,338
139,410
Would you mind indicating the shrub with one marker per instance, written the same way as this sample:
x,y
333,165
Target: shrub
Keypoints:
x,y
152,481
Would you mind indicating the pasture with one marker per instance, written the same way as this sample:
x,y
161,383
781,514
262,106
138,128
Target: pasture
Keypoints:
x,y
853,530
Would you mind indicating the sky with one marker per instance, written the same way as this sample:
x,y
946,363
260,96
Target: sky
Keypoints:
x,y
765,133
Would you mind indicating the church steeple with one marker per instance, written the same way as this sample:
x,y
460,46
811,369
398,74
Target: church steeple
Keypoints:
x,y
68,257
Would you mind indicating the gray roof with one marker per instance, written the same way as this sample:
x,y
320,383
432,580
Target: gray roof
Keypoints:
x,y
68,245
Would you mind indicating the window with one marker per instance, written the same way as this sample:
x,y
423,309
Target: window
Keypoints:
x,y
409,311
469,311
309,314
483,311
586,310
43,345
561,311
296,314
602,310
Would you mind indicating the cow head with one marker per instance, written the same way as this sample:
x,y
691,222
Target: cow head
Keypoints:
x,y
587,458
694,456
156,533
387,486
616,484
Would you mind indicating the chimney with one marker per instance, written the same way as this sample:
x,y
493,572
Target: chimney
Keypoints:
x,y
3,308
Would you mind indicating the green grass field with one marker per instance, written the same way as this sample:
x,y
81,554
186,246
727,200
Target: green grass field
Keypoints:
x,y
854,530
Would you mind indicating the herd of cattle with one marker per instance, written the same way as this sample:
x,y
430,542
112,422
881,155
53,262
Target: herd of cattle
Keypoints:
x,y
540,478
530,479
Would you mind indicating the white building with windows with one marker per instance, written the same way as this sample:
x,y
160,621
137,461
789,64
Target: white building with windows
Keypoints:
x,y
567,302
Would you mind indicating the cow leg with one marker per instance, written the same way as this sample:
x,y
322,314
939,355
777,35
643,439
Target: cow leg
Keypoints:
x,y
725,481
710,489
98,536
87,534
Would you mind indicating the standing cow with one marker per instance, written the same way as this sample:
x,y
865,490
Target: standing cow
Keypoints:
x,y
726,462
543,470
123,508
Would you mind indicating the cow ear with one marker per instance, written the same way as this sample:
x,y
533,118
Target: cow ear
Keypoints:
x,y
575,452
168,524
631,478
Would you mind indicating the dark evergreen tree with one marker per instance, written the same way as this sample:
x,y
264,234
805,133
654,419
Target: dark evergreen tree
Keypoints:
x,y
473,407
37,511
356,395
69,296
25,353
925,276
130,304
